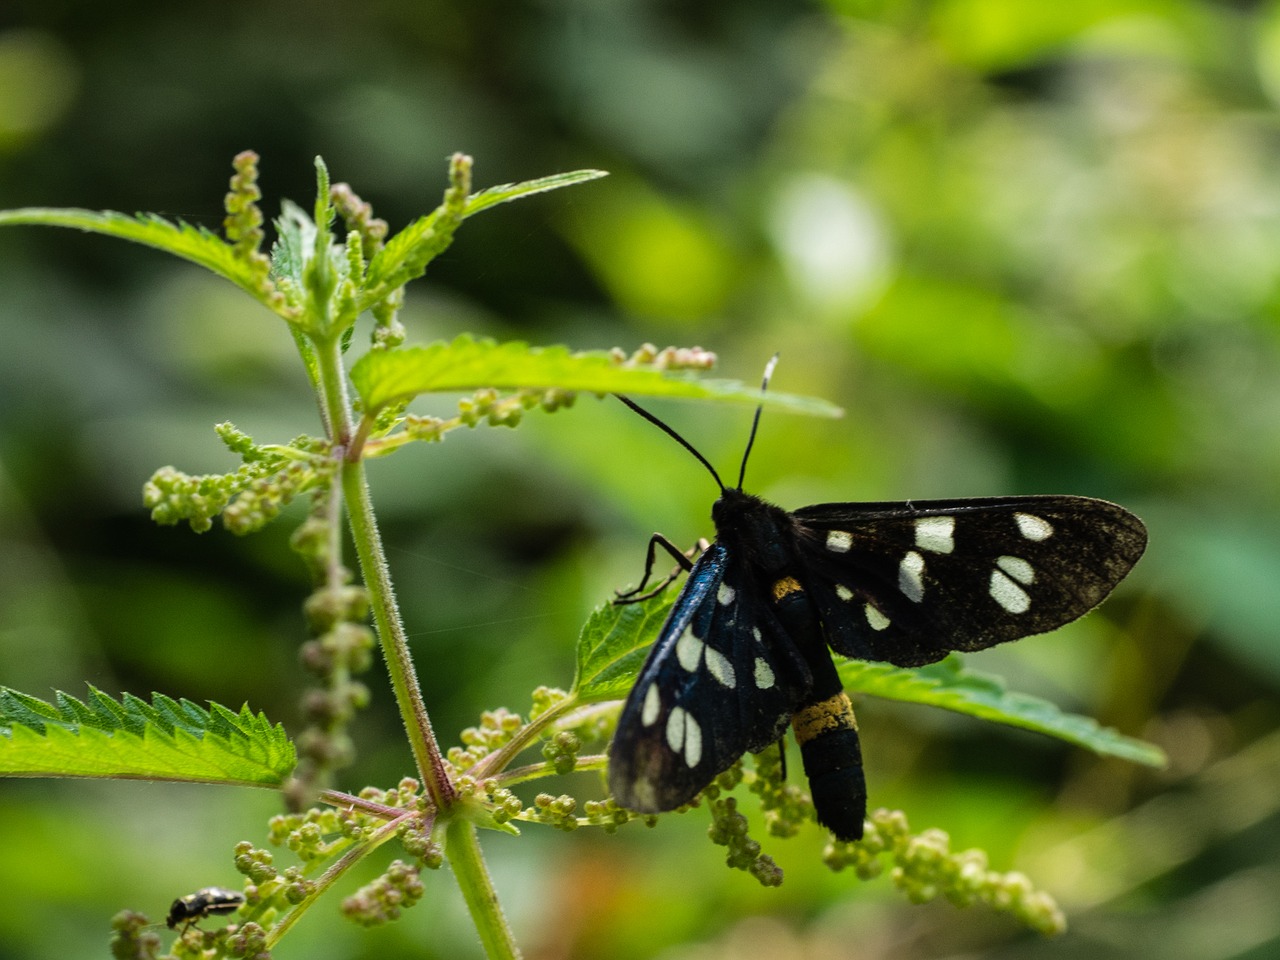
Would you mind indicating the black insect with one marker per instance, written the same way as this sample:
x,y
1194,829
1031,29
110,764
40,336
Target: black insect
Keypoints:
x,y
745,651
203,903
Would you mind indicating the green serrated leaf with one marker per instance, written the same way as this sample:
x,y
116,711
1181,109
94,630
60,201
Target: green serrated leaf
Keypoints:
x,y
196,244
492,196
390,376
295,239
613,644
131,739
615,641
406,255
948,685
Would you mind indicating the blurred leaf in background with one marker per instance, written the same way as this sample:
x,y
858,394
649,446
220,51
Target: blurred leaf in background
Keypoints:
x,y
1031,248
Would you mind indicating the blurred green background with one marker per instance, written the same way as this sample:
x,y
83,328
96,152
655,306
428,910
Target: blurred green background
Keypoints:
x,y
1030,247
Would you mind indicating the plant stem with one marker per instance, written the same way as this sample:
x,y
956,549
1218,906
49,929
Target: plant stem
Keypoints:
x,y
497,761
395,645
349,859
377,578
462,848
335,405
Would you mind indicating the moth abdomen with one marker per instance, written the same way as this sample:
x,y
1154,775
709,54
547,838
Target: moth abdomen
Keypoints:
x,y
827,732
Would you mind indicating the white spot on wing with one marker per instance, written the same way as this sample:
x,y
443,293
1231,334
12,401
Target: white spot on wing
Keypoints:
x,y
755,632
675,729
642,792
689,650
1008,594
875,619
725,594
1017,568
911,576
843,592
839,541
720,668
652,703
692,741
684,736
935,534
764,674
1033,527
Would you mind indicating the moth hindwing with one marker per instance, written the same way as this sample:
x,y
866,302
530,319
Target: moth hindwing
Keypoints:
x,y
747,646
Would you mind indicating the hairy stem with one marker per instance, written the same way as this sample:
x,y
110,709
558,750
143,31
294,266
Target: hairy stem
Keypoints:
x,y
377,578
497,761
395,645
335,404
462,848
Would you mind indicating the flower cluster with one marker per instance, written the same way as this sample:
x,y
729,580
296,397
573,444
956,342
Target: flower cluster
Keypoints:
x,y
385,898
729,828
925,868
318,832
248,940
359,219
133,936
243,225
786,806
340,649
496,728
250,497
668,358
499,410
561,751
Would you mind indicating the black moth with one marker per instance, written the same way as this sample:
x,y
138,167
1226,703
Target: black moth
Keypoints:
x,y
744,650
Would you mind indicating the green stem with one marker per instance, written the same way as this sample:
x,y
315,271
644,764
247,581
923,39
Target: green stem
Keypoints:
x,y
497,761
395,645
322,883
463,851
535,771
377,578
335,404
462,846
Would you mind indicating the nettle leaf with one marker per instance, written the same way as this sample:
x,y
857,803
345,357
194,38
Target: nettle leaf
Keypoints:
x,y
196,244
613,644
492,196
131,739
949,685
406,255
295,242
390,376
616,639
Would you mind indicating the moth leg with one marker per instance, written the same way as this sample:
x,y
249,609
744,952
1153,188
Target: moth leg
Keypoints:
x,y
684,559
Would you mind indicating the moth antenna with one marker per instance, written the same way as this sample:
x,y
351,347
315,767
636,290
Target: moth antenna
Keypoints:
x,y
755,423
675,436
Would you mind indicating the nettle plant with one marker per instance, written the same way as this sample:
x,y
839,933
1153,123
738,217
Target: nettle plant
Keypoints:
x,y
321,283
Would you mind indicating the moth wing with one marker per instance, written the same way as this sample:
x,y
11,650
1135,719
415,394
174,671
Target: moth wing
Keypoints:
x,y
907,583
721,680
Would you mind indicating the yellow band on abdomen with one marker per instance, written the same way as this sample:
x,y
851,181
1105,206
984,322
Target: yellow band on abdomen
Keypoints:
x,y
834,713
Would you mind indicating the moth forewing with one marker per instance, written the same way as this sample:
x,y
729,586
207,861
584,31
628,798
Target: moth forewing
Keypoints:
x,y
910,582
718,683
